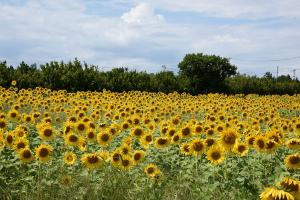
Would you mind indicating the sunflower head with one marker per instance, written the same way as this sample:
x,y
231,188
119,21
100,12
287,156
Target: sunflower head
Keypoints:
x,y
91,161
275,194
25,155
44,152
70,158
292,161
216,154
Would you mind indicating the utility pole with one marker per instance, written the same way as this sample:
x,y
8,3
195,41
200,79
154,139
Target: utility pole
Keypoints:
x,y
294,74
277,73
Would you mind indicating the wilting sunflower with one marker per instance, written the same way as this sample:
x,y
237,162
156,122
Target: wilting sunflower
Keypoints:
x,y
275,194
66,180
44,152
241,149
197,147
104,138
70,158
292,161
91,161
216,154
293,144
162,142
228,138
150,170
25,155
292,186
138,156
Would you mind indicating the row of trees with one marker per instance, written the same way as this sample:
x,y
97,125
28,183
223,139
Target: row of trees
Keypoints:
x,y
198,73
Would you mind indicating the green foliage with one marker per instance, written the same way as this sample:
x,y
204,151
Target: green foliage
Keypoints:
x,y
206,72
198,74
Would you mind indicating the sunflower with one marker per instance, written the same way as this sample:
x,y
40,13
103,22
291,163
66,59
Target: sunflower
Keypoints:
x,y
292,186
186,132
228,138
209,142
70,158
91,161
115,158
137,156
241,149
271,146
125,149
151,170
216,154
175,139
46,132
20,143
162,142
72,139
66,180
44,152
81,127
9,139
13,82
146,140
137,132
197,147
275,194
126,162
3,124
292,161
25,155
185,148
104,138
260,143
104,155
91,135
293,143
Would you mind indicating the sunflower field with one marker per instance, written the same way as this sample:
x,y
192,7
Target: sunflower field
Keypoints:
x,y
142,145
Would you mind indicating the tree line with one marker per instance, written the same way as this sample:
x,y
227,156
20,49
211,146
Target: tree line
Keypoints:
x,y
198,73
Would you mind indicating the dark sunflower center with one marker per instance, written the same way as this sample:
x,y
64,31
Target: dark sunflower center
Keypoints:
x,y
198,129
150,170
138,132
2,124
92,159
270,145
26,154
294,160
260,144
210,142
125,163
44,152
216,155
186,148
171,132
81,127
21,145
47,132
198,146
251,140
73,138
137,156
91,135
116,157
241,148
13,115
148,138
162,141
175,138
229,139
186,131
125,126
105,137
210,132
9,139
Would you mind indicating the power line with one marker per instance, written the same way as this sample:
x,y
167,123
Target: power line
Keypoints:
x,y
267,60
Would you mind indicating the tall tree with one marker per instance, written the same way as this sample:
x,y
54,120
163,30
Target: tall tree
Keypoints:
x,y
206,73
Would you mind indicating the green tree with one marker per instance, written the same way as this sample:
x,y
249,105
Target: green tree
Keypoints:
x,y
206,73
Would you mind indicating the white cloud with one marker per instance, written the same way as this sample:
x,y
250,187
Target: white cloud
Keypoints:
x,y
142,14
140,37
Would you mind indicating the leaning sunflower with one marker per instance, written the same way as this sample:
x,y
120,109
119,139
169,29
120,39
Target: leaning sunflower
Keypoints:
x,y
292,161
275,194
91,161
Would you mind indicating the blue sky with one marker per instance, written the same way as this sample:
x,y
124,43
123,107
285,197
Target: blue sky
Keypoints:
x,y
145,35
